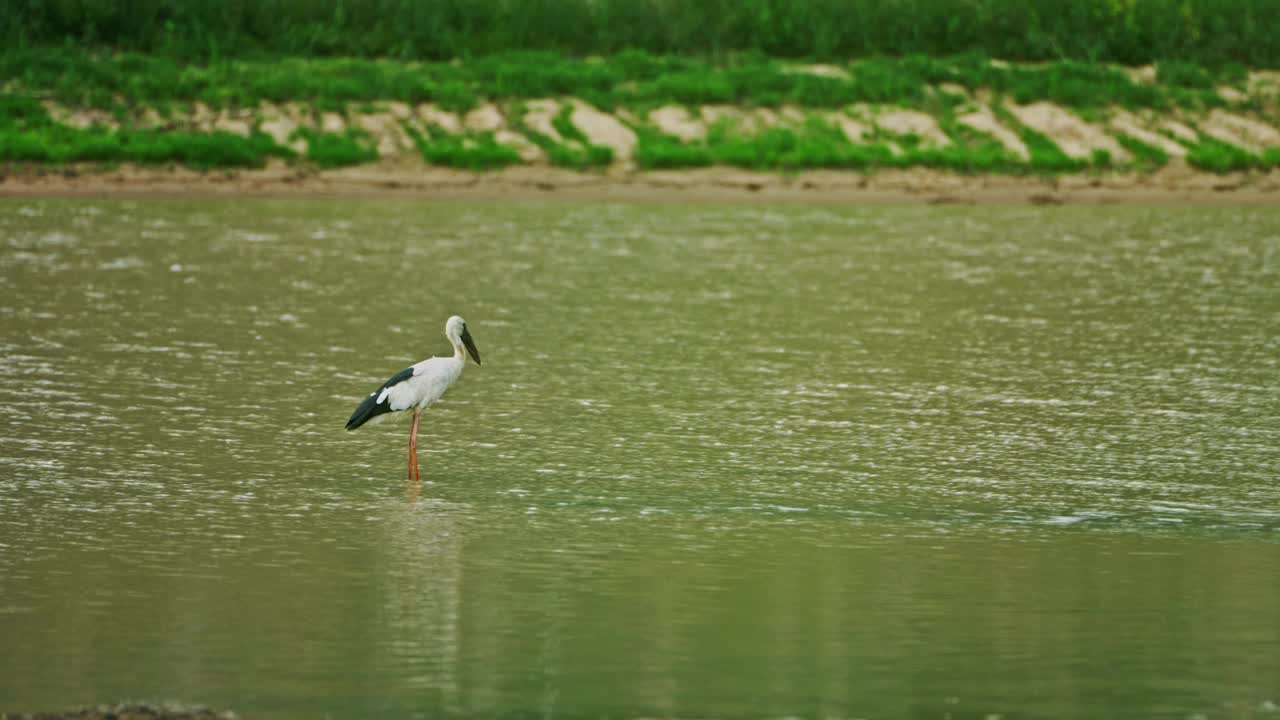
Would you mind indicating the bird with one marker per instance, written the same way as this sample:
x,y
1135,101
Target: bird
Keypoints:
x,y
417,386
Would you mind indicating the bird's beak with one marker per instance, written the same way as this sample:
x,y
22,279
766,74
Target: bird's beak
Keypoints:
x,y
471,346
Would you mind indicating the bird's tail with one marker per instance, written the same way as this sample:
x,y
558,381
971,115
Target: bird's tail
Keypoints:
x,y
368,410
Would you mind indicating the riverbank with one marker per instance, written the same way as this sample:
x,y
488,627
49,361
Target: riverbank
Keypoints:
x,y
963,127
1173,185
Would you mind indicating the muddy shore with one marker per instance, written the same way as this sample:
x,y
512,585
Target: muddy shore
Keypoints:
x,y
1175,184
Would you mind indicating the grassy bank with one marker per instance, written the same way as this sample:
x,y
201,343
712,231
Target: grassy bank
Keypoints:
x,y
120,81
755,112
1207,32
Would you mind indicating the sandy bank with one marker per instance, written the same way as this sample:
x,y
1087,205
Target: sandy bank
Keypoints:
x,y
1176,184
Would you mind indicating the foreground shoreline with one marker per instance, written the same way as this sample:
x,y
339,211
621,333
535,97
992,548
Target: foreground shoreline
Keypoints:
x,y
1170,186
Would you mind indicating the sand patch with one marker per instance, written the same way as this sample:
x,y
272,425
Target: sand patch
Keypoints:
x,y
1143,74
1264,83
1074,136
855,132
819,69
150,119
747,122
201,117
527,151
676,121
539,118
714,114
911,122
1239,130
277,123
435,117
236,122
984,121
604,130
332,122
1231,95
1180,131
387,133
1125,122
79,118
485,118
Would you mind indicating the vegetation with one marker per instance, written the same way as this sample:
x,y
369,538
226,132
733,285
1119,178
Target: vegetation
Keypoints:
x,y
480,151
106,80
29,134
1148,157
335,56
331,150
572,151
1207,32
1220,157
818,144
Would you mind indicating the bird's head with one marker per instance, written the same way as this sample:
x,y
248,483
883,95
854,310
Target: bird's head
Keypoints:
x,y
456,330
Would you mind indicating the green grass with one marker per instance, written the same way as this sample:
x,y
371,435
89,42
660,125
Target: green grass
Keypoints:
x,y
818,144
333,150
1208,32
659,151
1146,156
480,151
1045,154
119,83
29,135
1220,157
1184,74
635,79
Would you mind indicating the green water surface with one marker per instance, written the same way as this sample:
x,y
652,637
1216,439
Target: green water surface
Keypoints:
x,y
721,460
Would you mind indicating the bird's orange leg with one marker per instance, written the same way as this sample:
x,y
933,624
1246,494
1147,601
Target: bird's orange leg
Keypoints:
x,y
413,449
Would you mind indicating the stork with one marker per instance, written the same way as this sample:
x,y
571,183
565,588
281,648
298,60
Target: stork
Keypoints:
x,y
417,386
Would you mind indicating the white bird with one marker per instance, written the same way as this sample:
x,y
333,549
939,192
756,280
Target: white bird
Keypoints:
x,y
416,387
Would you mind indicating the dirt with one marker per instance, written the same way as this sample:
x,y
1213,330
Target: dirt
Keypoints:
x,y
1127,123
408,177
605,130
386,128
433,116
539,118
676,121
912,122
821,70
1077,138
854,131
485,118
1238,130
983,120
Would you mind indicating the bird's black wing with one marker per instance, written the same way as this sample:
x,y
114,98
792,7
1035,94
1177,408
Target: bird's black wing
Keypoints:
x,y
371,408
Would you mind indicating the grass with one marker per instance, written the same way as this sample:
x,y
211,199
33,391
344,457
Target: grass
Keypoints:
x,y
334,150
480,151
29,135
119,83
1211,33
1217,156
83,78
1146,156
819,144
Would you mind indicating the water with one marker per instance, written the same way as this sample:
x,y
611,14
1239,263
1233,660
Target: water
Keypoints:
x,y
721,460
